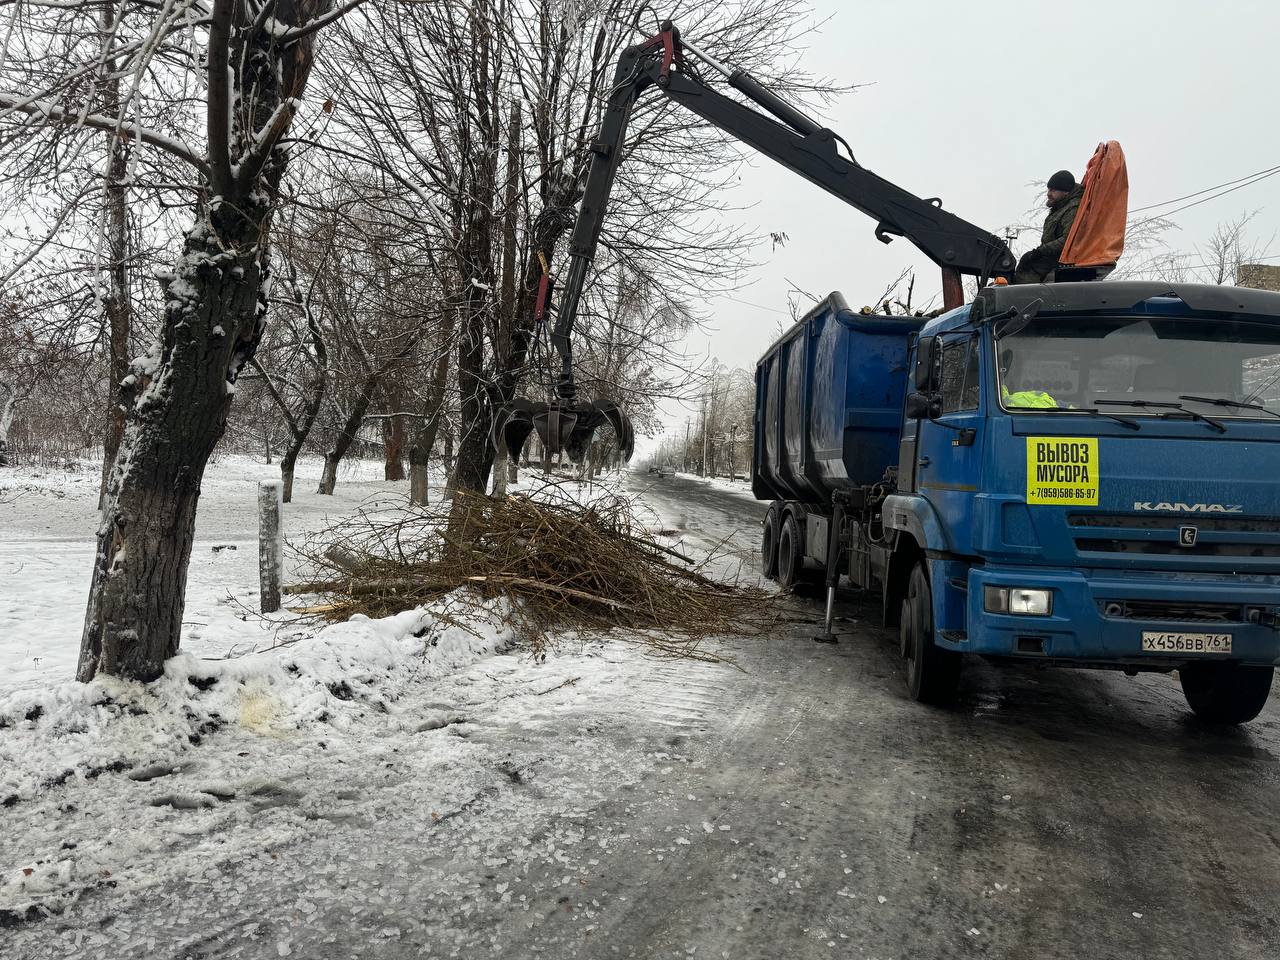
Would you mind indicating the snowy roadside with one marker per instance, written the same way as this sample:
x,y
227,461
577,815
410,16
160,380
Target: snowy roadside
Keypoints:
x,y
740,486
257,728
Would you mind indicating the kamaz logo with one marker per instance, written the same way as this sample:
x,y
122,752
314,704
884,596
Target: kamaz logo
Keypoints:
x,y
1166,507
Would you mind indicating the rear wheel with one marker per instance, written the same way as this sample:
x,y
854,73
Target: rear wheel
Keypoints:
x,y
769,546
789,560
933,674
1224,692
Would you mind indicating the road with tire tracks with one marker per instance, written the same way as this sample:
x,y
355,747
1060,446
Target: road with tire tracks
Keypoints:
x,y
794,805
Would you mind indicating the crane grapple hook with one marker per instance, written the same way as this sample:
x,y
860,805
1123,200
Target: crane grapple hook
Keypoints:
x,y
566,428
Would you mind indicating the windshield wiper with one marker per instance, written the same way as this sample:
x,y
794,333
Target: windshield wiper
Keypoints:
x,y
1092,411
1224,402
1167,405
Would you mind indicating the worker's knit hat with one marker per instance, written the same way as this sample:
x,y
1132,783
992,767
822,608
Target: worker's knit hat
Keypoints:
x,y
1062,180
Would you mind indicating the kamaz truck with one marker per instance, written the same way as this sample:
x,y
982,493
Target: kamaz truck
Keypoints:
x,y
1084,472
1081,474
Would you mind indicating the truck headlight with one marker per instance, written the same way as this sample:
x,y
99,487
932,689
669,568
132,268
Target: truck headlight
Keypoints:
x,y
1018,600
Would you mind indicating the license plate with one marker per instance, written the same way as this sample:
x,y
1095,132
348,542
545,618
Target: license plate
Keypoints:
x,y
1156,642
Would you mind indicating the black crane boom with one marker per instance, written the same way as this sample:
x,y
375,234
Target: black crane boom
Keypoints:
x,y
783,133
797,142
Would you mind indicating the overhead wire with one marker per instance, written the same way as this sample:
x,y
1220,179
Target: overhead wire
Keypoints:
x,y
1239,185
1165,203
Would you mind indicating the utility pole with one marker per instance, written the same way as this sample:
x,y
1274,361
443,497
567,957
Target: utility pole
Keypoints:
x,y
702,467
687,421
733,442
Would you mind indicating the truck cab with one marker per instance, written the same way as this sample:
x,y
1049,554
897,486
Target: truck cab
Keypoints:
x,y
1086,474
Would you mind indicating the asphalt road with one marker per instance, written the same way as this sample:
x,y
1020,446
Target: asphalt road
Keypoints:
x,y
797,805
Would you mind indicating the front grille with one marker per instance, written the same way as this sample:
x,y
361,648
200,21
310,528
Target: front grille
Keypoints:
x,y
1172,610
1203,522
1249,538
1172,547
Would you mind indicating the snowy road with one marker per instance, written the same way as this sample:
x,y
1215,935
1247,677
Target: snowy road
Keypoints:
x,y
606,805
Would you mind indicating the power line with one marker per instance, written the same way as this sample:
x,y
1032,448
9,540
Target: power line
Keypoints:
x,y
1215,196
1165,203
758,306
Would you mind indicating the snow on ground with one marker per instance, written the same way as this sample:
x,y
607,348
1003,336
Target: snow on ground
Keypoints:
x,y
256,727
50,518
738,485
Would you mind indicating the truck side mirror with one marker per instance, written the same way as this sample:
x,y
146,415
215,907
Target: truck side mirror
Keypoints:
x,y
922,406
926,357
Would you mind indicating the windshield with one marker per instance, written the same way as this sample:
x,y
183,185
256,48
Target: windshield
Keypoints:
x,y
1226,368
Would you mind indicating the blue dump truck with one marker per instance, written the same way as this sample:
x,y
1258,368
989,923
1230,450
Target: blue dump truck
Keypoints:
x,y
1080,474
1085,472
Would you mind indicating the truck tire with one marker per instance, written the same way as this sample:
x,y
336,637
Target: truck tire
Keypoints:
x,y
769,546
1225,692
789,557
933,674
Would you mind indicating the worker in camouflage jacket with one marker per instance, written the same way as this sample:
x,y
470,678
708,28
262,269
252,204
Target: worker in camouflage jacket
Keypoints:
x,y
1063,200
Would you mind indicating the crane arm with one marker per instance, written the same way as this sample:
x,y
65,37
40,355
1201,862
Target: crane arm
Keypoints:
x,y
792,139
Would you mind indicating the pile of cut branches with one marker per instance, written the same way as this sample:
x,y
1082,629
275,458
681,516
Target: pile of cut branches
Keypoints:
x,y
563,567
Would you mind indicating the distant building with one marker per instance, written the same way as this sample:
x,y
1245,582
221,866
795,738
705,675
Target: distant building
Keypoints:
x,y
1260,276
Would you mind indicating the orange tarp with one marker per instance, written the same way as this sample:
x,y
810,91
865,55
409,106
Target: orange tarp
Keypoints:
x,y
1097,235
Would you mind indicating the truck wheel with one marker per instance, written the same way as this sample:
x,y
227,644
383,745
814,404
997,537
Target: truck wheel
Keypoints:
x,y
789,561
932,672
769,546
1225,692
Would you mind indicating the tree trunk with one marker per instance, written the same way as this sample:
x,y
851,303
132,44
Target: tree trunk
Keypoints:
x,y
471,470
424,439
393,447
8,409
214,316
137,593
475,449
299,430
300,427
419,485
117,305
287,462
347,435
477,270
424,436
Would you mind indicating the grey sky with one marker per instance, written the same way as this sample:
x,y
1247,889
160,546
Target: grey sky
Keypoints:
x,y
974,101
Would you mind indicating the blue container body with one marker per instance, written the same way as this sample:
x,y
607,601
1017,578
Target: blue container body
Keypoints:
x,y
829,398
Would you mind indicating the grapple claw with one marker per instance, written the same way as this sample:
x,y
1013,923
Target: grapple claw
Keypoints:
x,y
512,425
567,428
593,416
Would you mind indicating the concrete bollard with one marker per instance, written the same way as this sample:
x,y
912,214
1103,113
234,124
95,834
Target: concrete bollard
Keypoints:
x,y
270,544
500,474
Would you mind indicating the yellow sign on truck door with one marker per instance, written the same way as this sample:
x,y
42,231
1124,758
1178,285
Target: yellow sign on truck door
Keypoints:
x,y
1062,470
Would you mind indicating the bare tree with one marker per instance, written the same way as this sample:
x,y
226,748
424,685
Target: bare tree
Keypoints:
x,y
480,119
1229,248
235,69
302,356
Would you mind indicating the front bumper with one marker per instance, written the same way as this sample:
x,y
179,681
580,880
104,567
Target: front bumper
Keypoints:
x,y
1092,620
